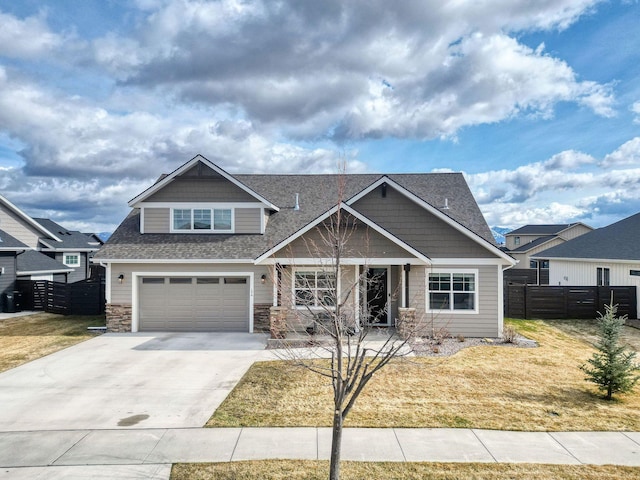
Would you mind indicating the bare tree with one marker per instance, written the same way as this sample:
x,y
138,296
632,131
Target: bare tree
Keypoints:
x,y
332,311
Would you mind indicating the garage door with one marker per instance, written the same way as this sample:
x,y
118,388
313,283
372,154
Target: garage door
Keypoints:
x,y
206,304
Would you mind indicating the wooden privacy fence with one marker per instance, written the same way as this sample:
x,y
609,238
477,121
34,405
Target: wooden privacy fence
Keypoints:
x,y
79,298
529,301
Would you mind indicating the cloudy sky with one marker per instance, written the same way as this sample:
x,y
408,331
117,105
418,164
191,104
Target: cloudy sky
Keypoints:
x,y
537,102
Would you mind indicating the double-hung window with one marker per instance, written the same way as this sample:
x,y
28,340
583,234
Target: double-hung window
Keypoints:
x,y
71,259
314,288
215,220
452,291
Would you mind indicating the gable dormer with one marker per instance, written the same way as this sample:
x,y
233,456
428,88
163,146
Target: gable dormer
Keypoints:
x,y
201,198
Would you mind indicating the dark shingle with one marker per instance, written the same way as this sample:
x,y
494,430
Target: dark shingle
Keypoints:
x,y
541,229
8,242
33,261
317,194
618,241
70,239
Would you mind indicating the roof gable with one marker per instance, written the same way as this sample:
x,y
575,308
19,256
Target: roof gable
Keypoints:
x,y
26,219
198,167
410,250
396,217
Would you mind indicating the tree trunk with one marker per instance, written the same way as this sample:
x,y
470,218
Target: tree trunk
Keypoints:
x,y
336,445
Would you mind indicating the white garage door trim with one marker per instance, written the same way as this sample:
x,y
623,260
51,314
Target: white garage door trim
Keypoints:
x,y
135,299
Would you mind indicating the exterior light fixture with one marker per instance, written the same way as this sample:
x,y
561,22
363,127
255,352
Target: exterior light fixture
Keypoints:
x,y
263,278
121,278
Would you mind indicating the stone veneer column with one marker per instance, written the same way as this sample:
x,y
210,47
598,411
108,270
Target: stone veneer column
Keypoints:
x,y
278,322
407,323
118,317
261,317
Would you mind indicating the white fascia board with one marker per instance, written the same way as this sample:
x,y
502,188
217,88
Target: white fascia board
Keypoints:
x,y
200,205
69,249
172,260
42,272
352,212
15,249
300,261
435,211
541,256
198,158
468,261
27,218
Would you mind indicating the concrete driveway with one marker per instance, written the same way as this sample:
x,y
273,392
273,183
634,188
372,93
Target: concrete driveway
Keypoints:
x,y
115,381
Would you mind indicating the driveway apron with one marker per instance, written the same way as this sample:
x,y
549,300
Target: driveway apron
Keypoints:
x,y
120,381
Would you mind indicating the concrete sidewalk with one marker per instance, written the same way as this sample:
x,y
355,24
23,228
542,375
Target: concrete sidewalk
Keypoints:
x,y
149,453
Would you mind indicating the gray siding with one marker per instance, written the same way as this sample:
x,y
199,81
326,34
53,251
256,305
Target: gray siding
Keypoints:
x,y
157,220
121,292
483,324
417,227
16,227
201,189
363,242
7,279
79,273
247,220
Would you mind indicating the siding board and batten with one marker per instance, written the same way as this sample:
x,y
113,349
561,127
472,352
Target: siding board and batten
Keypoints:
x,y
183,189
412,224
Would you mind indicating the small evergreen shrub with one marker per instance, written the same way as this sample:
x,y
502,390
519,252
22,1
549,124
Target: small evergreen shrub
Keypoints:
x,y
612,369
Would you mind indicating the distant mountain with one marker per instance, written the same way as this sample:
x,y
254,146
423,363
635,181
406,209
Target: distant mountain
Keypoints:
x,y
499,232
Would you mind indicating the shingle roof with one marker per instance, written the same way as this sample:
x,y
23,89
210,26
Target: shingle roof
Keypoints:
x,y
551,229
34,261
528,246
70,239
317,194
618,241
8,242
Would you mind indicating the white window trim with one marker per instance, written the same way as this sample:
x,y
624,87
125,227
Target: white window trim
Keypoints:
x,y
312,307
452,271
65,255
203,207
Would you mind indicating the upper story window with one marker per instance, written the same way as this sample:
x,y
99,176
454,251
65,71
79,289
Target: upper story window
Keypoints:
x,y
218,220
516,241
453,290
71,259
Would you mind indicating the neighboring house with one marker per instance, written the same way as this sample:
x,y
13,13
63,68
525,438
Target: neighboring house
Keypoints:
x,y
606,256
529,240
205,250
39,249
74,250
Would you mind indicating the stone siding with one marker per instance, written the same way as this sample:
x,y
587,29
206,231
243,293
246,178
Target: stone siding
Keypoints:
x,y
261,317
118,318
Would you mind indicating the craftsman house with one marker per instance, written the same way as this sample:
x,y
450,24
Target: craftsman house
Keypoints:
x,y
204,250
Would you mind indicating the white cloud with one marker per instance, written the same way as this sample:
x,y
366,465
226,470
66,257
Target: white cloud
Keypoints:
x,y
357,69
27,38
635,108
569,186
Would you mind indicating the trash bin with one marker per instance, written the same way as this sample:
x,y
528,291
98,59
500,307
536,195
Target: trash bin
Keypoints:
x,y
9,303
17,300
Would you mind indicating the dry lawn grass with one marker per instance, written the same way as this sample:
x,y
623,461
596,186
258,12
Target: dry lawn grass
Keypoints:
x,y
23,339
309,470
587,330
504,388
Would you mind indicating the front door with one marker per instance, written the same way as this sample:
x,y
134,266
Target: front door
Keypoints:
x,y
377,293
